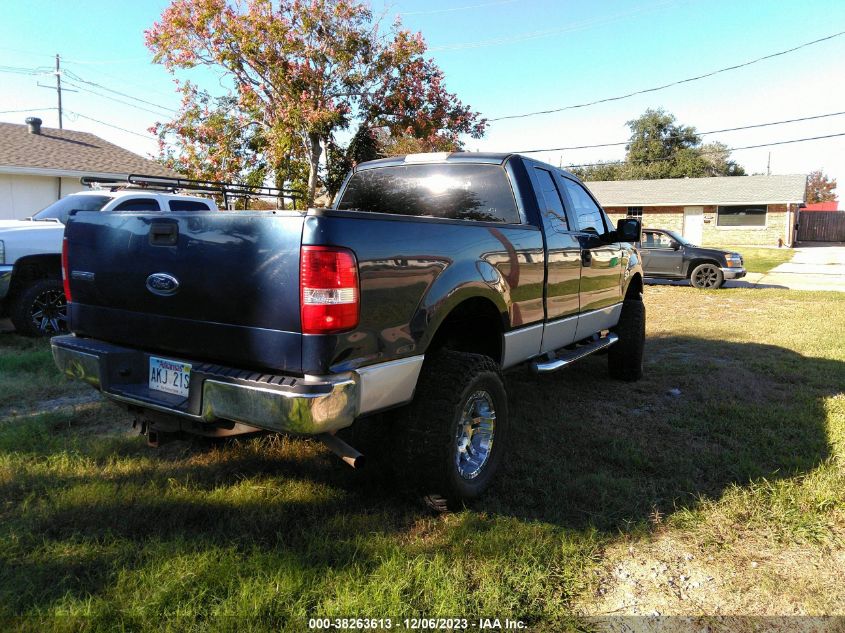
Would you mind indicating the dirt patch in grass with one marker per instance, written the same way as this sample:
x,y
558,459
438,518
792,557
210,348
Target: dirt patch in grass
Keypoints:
x,y
668,574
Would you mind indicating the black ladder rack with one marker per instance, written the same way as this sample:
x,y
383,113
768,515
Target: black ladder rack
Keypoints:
x,y
227,190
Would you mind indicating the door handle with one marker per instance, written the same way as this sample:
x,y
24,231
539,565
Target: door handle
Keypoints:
x,y
164,234
586,257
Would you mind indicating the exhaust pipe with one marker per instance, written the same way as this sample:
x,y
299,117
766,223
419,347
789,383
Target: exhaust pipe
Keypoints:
x,y
343,450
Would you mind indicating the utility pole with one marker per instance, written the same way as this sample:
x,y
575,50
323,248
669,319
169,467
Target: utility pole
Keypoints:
x,y
769,165
59,87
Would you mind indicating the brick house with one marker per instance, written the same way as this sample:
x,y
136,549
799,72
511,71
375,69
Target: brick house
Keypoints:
x,y
40,165
751,210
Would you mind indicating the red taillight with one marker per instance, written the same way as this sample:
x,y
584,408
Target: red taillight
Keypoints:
x,y
328,289
65,270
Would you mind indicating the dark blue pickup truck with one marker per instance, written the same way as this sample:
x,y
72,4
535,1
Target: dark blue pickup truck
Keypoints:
x,y
429,276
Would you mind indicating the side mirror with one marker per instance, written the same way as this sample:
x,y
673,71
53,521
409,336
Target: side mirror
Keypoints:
x,y
676,246
629,230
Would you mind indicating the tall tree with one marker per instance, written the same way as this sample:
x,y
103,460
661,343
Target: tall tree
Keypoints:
x,y
210,140
661,148
304,69
820,187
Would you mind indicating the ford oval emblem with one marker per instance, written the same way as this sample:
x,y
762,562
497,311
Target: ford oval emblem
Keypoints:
x,y
162,284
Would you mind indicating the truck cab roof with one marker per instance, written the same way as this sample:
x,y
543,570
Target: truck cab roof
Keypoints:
x,y
490,158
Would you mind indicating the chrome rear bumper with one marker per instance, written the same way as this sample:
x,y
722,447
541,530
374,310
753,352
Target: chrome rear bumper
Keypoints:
x,y
308,405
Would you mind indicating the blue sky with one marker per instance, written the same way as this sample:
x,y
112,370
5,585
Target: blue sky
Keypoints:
x,y
505,57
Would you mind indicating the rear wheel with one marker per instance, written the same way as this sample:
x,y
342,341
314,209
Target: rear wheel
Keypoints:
x,y
40,309
456,430
707,276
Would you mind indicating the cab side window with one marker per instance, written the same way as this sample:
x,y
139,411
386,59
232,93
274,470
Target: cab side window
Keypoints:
x,y
587,212
188,205
653,239
550,200
138,204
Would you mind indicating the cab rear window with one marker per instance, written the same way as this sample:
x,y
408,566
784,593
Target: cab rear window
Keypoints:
x,y
454,191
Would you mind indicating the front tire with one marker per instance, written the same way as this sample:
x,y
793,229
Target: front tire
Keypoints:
x,y
625,357
40,309
456,430
707,277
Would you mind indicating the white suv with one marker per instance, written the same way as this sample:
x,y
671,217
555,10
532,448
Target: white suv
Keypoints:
x,y
30,252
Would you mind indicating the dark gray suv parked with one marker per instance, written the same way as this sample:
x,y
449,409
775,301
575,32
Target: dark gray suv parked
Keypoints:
x,y
667,255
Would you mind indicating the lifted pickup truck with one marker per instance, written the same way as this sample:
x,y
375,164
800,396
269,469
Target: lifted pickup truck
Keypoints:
x,y
429,276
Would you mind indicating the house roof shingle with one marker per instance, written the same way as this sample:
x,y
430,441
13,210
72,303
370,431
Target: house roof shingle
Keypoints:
x,y
700,191
70,151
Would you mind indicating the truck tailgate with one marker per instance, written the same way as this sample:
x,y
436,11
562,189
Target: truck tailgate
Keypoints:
x,y
215,286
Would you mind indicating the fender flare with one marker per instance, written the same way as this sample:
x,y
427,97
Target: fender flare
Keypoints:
x,y
446,294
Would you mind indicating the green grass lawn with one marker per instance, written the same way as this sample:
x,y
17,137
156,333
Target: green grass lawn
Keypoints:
x,y
730,451
761,260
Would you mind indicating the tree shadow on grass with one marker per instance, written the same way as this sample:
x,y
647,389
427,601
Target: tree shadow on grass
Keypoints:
x,y
589,451
586,452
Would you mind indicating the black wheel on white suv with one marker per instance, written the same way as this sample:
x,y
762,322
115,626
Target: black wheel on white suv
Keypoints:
x,y
40,309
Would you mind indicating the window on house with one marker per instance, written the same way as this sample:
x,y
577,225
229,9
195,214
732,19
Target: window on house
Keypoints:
x,y
635,212
742,215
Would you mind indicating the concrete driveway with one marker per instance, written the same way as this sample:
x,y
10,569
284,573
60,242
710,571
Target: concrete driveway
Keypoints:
x,y
813,267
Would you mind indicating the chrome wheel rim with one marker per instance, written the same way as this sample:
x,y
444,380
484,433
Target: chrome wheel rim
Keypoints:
x,y
706,277
49,312
474,436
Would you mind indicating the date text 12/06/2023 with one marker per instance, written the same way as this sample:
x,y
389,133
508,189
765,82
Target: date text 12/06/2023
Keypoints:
x,y
416,624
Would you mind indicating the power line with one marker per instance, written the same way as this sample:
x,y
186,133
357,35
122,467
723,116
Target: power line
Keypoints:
x,y
115,99
671,84
36,71
18,70
116,127
101,72
729,149
729,129
76,77
27,110
796,140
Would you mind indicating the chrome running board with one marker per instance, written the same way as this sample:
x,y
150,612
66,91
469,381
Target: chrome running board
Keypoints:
x,y
566,357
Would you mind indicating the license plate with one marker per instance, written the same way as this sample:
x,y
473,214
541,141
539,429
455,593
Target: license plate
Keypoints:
x,y
169,376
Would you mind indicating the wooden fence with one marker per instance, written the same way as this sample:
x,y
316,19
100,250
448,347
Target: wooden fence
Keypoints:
x,y
821,226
